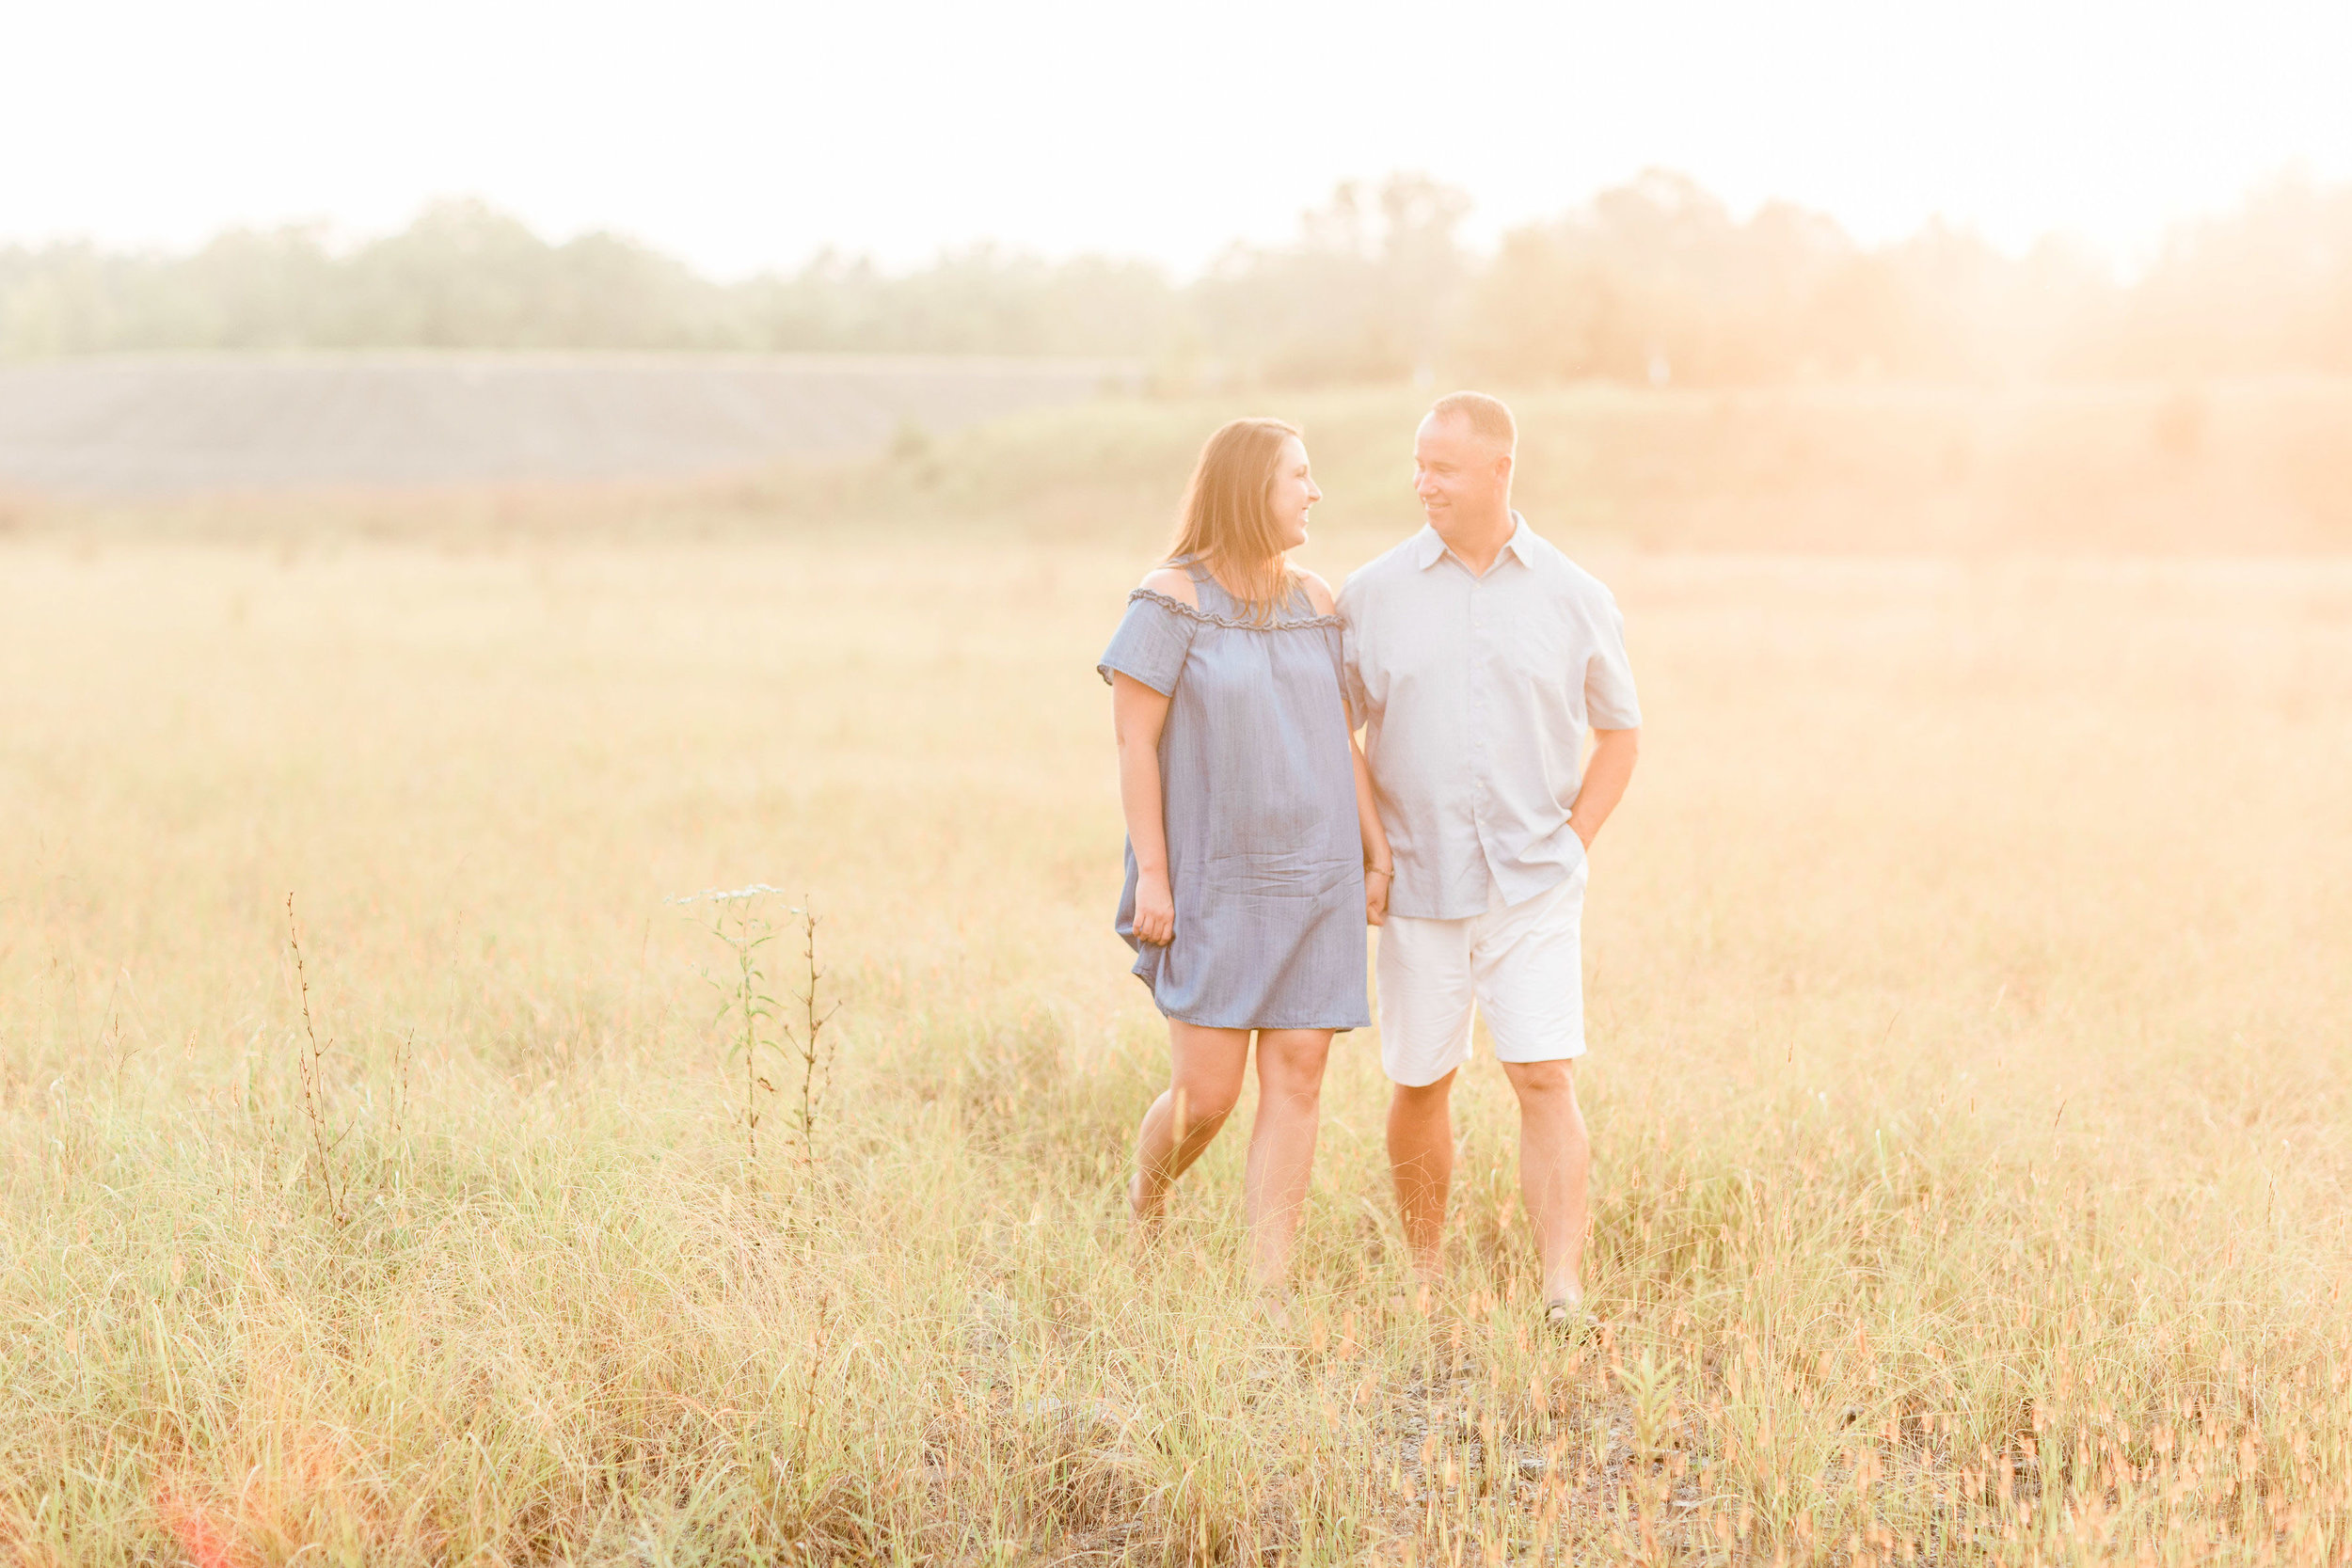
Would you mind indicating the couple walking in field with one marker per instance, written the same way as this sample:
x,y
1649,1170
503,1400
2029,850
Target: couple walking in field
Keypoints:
x,y
1262,837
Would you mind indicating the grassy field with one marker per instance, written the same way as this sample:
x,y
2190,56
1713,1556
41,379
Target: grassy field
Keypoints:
x,y
1969,995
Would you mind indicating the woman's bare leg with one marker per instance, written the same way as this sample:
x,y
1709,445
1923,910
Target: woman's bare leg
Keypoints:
x,y
1203,1081
1282,1144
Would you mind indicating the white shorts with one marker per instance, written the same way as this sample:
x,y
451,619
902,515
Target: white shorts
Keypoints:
x,y
1522,964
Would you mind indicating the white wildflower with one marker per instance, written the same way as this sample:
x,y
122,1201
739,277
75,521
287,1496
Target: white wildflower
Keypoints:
x,y
722,895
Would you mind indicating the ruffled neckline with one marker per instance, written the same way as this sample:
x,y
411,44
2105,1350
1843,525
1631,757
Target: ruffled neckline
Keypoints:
x,y
1233,621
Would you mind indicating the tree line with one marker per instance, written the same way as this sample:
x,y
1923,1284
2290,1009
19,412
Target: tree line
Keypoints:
x,y
1654,280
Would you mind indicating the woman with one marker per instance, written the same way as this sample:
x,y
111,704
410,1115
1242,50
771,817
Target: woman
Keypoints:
x,y
1254,855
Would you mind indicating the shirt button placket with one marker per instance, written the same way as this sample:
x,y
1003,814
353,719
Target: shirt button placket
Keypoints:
x,y
1478,717
1480,792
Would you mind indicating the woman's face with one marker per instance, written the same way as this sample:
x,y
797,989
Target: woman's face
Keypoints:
x,y
1293,491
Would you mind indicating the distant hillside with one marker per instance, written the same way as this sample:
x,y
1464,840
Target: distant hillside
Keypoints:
x,y
2253,468
175,426
2224,468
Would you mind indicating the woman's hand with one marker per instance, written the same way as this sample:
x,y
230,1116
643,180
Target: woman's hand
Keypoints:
x,y
1155,908
1378,879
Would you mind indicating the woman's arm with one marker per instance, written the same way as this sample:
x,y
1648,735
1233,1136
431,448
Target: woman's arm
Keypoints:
x,y
1138,713
1379,870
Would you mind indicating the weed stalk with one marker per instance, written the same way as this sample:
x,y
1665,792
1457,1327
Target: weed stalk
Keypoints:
x,y
811,1049
746,1009
308,1065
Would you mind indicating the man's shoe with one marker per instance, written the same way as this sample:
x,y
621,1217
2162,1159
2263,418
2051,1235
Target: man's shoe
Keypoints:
x,y
1567,1321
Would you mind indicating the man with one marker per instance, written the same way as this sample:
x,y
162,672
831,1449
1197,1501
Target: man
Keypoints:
x,y
1477,657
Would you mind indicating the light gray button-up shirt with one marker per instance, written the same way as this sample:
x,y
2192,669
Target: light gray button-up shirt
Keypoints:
x,y
1475,693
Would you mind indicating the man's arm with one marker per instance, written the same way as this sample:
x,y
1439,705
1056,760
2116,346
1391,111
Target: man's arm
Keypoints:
x,y
1605,778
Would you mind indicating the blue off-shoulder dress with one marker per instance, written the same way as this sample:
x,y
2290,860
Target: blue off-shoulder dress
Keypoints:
x,y
1258,786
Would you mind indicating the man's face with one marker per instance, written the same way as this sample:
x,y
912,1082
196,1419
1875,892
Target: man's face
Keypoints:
x,y
1292,493
1458,472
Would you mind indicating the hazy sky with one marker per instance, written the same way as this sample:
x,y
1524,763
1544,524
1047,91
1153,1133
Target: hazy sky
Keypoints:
x,y
743,135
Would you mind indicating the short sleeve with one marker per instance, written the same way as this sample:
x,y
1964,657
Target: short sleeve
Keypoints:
x,y
1352,691
1151,642
1609,700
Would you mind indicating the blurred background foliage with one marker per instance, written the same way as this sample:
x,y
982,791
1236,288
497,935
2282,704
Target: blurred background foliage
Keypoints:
x,y
1654,281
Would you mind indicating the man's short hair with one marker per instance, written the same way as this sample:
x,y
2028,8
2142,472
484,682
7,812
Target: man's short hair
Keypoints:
x,y
1488,417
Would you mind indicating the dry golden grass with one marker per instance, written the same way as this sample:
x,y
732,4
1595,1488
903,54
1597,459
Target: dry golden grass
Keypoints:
x,y
1969,990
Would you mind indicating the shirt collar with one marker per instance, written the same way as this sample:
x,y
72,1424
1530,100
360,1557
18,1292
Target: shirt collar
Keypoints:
x,y
1429,547
1521,542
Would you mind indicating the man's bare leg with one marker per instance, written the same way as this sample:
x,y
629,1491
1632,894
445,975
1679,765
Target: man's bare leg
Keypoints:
x,y
1555,1163
1421,1160
1282,1144
1204,1079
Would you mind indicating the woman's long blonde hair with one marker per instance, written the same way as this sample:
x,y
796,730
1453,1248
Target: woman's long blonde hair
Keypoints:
x,y
1227,523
